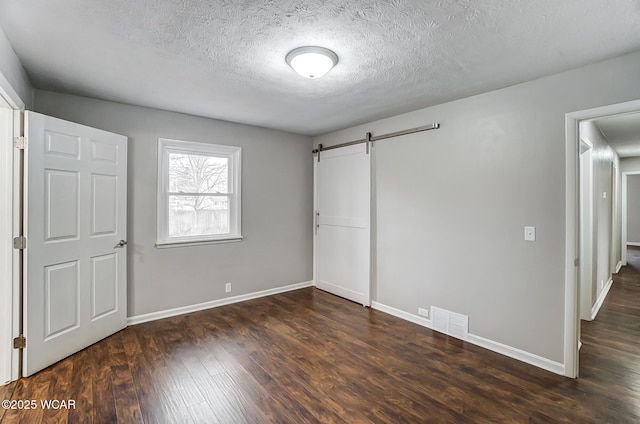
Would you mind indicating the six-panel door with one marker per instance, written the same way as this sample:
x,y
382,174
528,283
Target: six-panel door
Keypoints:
x,y
75,273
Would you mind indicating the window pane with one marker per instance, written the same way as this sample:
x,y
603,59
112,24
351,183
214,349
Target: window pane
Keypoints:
x,y
192,173
198,215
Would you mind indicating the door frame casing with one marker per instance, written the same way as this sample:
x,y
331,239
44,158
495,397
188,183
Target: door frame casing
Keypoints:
x,y
623,237
572,224
586,229
11,106
616,238
6,232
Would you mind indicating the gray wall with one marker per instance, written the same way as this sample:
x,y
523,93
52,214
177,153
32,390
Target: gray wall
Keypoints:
x,y
630,164
452,204
11,71
633,209
277,184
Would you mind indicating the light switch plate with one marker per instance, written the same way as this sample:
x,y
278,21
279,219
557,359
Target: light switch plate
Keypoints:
x,y
530,233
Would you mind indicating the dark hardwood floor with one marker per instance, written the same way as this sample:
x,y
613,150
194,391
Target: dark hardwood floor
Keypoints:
x,y
309,357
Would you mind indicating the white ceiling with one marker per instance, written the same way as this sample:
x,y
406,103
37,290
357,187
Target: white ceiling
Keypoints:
x,y
622,133
225,59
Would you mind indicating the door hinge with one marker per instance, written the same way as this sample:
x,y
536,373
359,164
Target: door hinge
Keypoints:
x,y
20,142
20,243
576,262
20,342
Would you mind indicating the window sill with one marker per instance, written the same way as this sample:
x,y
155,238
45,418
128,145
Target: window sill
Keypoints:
x,y
172,244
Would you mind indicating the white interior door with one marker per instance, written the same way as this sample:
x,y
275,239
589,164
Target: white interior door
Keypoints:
x,y
75,210
343,207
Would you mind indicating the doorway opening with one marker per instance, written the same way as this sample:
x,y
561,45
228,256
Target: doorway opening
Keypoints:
x,y
630,209
595,244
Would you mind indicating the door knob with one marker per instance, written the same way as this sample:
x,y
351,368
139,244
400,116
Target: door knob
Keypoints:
x,y
121,244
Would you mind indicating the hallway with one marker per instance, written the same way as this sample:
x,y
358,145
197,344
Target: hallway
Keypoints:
x,y
610,355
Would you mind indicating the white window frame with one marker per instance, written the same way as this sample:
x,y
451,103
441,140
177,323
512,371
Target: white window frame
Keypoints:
x,y
234,154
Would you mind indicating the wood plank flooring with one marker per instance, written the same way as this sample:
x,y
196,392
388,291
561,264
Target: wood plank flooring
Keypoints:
x,y
310,357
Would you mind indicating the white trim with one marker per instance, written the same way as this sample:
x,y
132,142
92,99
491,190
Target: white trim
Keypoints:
x,y
18,122
616,236
401,314
623,239
10,95
153,316
9,311
512,352
571,293
603,295
6,235
521,355
618,267
586,234
572,149
172,244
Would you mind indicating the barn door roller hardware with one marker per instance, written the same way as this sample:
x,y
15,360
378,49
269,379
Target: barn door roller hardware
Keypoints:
x,y
370,138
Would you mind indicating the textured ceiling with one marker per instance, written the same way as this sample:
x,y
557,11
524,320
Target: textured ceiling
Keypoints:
x,y
622,133
225,59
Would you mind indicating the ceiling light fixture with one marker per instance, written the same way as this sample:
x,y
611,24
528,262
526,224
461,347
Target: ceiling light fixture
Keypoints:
x,y
311,61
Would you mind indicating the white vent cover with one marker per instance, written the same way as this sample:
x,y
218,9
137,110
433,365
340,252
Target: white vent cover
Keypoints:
x,y
451,323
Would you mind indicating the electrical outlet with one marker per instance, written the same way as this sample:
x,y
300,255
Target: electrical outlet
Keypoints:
x,y
530,233
423,312
227,288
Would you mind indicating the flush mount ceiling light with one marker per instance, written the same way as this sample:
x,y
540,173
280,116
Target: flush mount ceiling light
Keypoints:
x,y
311,61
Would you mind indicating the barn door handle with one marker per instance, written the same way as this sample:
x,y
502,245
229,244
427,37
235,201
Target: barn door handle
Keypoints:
x,y
120,244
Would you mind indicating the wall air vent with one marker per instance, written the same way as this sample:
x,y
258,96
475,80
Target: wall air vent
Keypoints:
x,y
451,323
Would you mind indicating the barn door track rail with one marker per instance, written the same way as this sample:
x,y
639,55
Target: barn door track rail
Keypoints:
x,y
369,138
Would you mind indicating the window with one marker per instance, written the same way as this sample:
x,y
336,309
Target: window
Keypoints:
x,y
198,193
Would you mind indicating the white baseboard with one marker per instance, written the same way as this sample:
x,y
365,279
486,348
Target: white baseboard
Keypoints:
x,y
618,267
521,355
401,314
631,243
139,319
512,352
603,295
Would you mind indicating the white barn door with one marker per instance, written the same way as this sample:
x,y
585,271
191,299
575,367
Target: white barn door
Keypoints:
x,y
75,218
343,208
